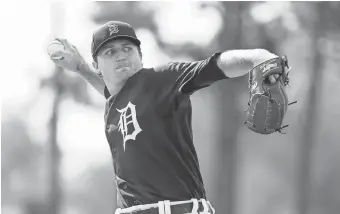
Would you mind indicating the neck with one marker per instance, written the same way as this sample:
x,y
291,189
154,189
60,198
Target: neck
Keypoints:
x,y
114,88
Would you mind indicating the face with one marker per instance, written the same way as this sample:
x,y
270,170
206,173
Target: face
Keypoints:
x,y
118,60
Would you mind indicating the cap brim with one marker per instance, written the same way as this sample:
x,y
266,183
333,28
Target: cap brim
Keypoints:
x,y
132,39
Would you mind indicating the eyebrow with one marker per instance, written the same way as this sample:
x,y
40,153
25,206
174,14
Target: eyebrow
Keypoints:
x,y
110,45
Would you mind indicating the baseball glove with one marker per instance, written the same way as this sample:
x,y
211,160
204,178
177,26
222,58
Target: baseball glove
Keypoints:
x,y
268,102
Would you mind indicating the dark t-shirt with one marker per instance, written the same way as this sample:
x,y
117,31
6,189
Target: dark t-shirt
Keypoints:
x,y
148,128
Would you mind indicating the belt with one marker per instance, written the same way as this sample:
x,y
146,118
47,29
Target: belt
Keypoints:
x,y
192,206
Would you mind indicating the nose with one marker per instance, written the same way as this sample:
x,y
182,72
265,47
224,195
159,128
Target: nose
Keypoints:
x,y
121,60
121,57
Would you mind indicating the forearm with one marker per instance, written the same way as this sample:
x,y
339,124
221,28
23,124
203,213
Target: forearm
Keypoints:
x,y
236,63
91,77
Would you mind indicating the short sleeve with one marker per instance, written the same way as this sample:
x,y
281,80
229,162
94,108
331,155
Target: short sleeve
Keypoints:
x,y
190,77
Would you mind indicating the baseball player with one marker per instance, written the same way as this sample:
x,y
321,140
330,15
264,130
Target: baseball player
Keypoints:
x,y
148,117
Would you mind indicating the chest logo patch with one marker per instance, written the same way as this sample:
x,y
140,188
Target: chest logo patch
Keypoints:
x,y
128,124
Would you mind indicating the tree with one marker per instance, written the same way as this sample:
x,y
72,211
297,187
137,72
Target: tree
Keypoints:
x,y
63,85
20,163
319,20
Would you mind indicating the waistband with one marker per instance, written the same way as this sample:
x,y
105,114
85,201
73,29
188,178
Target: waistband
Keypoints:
x,y
192,206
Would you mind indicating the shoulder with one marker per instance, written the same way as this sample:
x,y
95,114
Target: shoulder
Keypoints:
x,y
169,67
160,71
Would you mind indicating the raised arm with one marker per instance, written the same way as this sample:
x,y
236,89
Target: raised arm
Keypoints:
x,y
192,76
89,75
235,63
73,61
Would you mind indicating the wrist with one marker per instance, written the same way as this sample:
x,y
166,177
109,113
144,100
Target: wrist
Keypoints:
x,y
82,67
262,55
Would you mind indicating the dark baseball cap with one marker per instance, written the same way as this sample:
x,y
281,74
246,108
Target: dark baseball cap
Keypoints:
x,y
110,31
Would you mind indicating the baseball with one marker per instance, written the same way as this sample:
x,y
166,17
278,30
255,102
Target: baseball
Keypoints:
x,y
54,47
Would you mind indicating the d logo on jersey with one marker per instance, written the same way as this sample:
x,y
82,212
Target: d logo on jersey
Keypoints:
x,y
128,124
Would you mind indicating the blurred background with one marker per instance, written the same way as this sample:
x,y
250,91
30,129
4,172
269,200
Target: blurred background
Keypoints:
x,y
54,155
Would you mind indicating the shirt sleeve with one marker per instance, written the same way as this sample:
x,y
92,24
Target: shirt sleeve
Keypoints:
x,y
190,77
186,77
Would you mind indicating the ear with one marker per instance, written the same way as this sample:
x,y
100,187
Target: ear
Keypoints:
x,y
95,65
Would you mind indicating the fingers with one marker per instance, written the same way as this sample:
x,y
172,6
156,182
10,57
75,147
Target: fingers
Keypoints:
x,y
275,77
66,44
58,62
57,55
272,79
74,47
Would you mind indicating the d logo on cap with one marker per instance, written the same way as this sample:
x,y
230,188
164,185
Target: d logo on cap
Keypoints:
x,y
113,28
109,31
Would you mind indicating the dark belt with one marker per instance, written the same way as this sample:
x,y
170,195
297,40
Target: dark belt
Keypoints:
x,y
175,209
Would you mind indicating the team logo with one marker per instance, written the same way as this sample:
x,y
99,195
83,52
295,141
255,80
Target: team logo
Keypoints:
x,y
268,67
128,124
254,86
113,28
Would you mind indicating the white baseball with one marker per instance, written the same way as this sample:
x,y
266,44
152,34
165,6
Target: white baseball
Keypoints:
x,y
54,47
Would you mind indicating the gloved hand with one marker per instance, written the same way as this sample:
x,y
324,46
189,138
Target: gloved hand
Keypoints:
x,y
268,100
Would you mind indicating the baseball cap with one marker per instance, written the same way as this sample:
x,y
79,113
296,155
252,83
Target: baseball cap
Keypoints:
x,y
110,31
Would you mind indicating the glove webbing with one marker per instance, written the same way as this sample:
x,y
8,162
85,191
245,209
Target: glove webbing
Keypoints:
x,y
270,99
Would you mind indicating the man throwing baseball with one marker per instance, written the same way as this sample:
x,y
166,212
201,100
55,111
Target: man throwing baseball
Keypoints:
x,y
148,117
